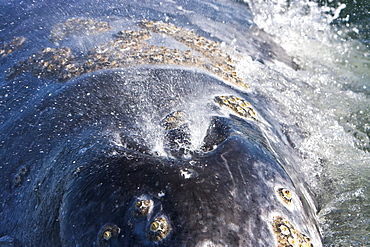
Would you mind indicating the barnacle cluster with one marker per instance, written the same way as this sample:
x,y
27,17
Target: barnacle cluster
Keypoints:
x,y
285,195
133,36
11,46
106,233
238,106
287,235
177,137
143,207
127,48
159,229
48,63
80,26
20,176
221,63
174,120
124,51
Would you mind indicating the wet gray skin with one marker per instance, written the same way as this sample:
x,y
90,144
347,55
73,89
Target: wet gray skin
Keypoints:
x,y
145,155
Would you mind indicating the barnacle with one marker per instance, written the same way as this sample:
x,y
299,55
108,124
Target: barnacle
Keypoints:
x,y
18,180
107,234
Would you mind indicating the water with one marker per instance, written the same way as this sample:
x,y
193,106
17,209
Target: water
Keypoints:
x,y
353,13
327,100
323,107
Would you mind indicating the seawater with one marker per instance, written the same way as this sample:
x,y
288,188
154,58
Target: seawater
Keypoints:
x,y
324,106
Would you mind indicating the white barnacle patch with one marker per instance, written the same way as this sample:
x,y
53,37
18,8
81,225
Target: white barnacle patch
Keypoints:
x,y
187,173
287,235
238,106
161,193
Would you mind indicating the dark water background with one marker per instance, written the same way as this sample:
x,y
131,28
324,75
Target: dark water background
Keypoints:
x,y
356,13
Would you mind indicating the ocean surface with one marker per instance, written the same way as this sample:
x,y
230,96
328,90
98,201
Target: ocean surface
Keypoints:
x,y
328,100
324,106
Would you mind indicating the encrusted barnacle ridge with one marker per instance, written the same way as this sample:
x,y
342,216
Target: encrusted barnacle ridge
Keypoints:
x,y
287,235
237,105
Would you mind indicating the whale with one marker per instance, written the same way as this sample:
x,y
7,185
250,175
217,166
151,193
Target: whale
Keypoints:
x,y
130,124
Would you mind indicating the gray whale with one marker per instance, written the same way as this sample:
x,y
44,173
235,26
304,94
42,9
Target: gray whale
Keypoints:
x,y
136,143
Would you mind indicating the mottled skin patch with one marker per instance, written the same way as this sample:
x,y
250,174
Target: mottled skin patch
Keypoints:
x,y
75,26
287,235
128,48
11,46
238,106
